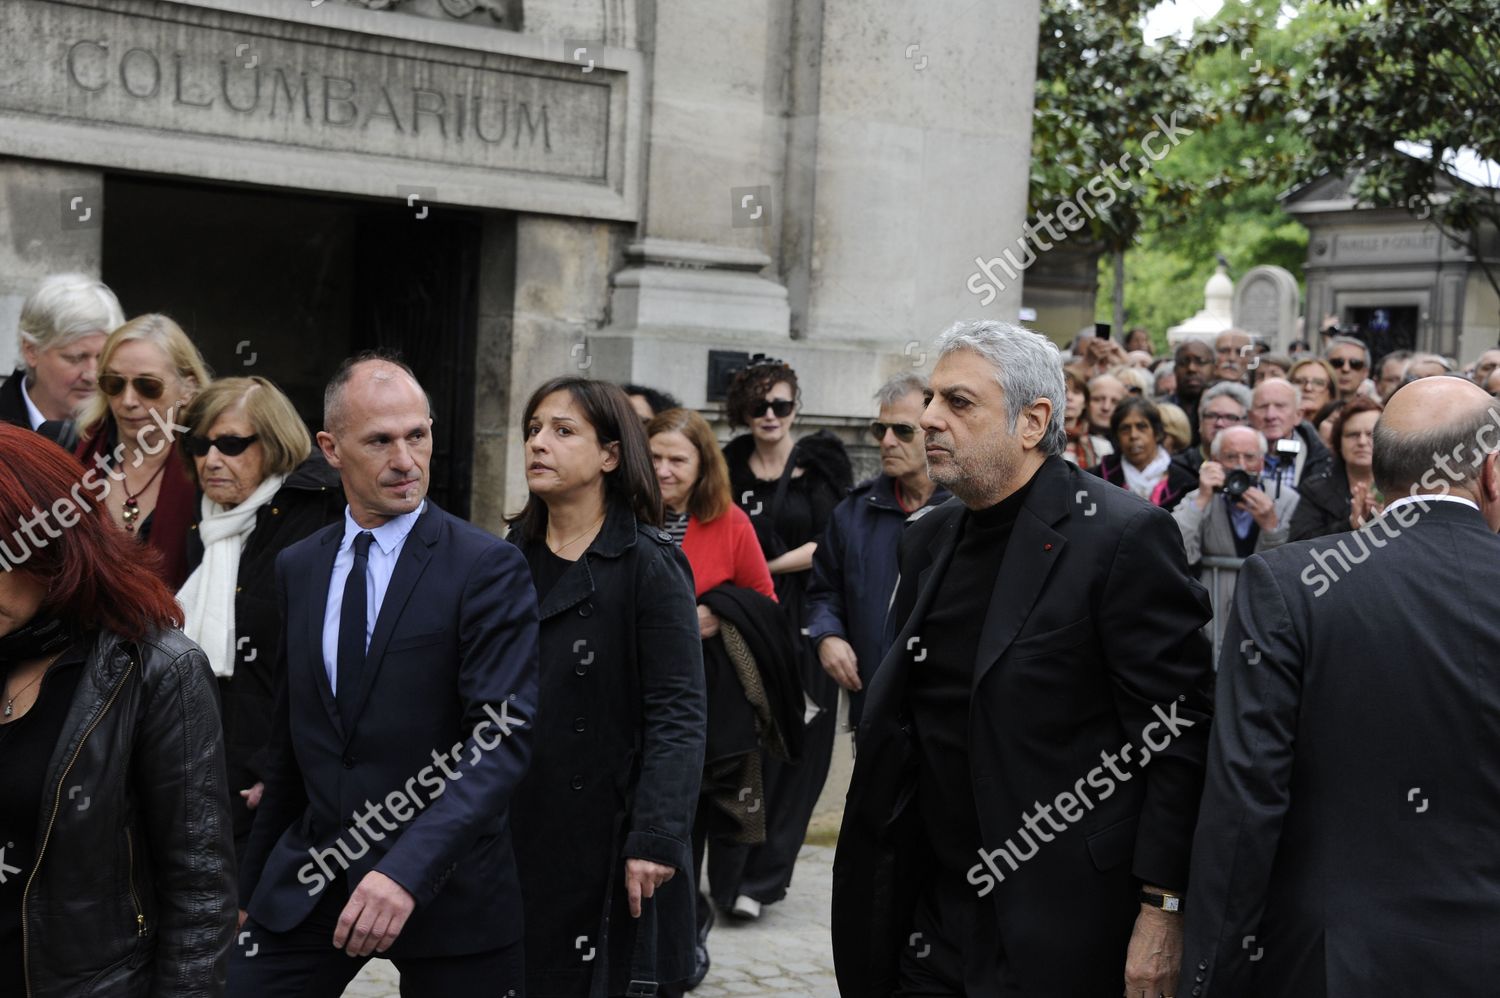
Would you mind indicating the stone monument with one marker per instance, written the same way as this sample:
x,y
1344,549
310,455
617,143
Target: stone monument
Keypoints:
x,y
1265,303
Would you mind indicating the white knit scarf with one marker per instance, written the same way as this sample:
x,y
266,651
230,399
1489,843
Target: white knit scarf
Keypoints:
x,y
207,597
1144,481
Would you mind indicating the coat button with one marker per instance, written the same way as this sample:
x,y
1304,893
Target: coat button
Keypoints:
x,y
1197,990
586,610
348,762
578,724
1199,978
577,783
1202,964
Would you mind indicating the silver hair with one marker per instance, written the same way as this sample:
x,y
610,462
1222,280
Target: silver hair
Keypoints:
x,y
1428,358
897,388
68,307
1215,447
1296,392
1347,341
1233,389
1028,367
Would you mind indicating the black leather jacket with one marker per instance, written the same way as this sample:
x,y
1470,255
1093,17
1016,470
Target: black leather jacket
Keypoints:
x,y
134,894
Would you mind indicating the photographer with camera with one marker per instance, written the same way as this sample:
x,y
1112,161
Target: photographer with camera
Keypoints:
x,y
1229,514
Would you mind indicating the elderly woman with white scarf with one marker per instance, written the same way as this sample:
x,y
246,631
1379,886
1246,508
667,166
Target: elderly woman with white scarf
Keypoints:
x,y
264,487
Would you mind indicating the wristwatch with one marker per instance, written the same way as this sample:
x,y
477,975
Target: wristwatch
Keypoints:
x,y
1164,901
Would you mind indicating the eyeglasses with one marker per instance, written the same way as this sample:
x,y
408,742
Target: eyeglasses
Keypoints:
x,y
228,446
145,386
781,407
1353,363
1312,382
904,431
1222,418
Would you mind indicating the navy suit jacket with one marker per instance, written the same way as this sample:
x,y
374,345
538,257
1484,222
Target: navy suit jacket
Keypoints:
x,y
418,782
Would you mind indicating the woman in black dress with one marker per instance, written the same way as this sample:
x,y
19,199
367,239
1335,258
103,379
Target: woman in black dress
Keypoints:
x,y
789,488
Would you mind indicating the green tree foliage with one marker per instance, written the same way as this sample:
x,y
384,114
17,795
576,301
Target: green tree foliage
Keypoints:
x,y
1414,71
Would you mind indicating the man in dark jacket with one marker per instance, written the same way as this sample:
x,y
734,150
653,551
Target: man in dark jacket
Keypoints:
x,y
401,730
854,569
1346,846
1050,673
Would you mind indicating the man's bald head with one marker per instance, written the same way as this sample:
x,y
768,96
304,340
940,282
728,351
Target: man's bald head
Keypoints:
x,y
369,371
1434,436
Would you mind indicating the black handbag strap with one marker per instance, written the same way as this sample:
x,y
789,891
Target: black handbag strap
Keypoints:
x,y
643,982
783,483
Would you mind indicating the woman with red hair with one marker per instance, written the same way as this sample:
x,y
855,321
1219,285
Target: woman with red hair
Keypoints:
x,y
116,870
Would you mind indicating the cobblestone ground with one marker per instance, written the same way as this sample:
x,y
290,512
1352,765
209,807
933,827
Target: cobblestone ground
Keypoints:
x,y
786,954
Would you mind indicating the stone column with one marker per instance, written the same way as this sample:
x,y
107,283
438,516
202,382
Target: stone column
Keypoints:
x,y
922,156
51,221
544,284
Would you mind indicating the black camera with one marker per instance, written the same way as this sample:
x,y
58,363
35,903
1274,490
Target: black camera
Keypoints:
x,y
1236,482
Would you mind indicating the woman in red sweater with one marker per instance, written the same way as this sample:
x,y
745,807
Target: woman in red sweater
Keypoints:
x,y
715,534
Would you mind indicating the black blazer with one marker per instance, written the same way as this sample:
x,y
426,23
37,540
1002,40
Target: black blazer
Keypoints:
x,y
454,648
1347,845
1095,621
618,758
64,433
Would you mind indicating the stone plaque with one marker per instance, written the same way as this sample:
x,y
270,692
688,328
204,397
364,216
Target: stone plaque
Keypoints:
x,y
165,87
1265,302
1380,246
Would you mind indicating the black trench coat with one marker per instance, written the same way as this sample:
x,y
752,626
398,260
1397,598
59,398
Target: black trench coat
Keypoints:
x,y
618,756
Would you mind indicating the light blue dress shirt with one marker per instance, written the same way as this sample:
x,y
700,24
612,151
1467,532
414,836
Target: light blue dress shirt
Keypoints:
x,y
385,550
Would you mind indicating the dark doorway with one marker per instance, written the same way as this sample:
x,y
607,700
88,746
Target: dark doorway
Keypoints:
x,y
1386,327
287,285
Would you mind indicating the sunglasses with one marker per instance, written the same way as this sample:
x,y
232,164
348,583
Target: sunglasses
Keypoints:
x,y
228,446
904,431
781,407
1354,364
145,386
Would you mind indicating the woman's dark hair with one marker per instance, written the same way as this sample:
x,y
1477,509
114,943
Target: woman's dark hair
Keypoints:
x,y
1329,408
1351,407
750,385
633,482
99,578
658,400
1135,403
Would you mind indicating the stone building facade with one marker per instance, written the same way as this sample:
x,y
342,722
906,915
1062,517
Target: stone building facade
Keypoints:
x,y
507,190
1395,278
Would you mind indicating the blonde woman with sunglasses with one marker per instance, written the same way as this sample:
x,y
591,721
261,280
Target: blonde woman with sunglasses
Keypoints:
x,y
148,373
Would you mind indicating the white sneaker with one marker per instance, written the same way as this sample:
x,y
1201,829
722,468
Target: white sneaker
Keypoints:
x,y
745,907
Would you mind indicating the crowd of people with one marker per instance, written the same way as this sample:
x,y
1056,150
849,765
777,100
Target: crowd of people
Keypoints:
x,y
269,711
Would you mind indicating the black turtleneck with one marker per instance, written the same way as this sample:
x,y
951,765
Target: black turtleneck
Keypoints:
x,y
939,685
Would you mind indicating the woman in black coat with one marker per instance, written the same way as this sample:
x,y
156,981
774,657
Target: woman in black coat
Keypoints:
x,y
603,821
789,488
258,498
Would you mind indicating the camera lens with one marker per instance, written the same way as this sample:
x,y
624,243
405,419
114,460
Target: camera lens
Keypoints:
x,y
1236,482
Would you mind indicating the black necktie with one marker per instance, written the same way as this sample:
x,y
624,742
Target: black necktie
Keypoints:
x,y
352,625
